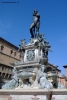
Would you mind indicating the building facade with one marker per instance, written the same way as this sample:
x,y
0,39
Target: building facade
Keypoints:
x,y
8,53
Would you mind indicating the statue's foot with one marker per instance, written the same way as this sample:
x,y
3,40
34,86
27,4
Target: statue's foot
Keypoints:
x,y
22,86
41,87
32,86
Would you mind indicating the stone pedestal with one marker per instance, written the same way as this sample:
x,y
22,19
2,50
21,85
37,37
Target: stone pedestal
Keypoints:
x,y
32,97
35,94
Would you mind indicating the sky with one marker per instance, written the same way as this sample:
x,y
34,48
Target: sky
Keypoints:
x,y
16,18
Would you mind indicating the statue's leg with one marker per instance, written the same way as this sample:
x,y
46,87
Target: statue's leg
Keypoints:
x,y
32,30
16,84
51,86
37,30
37,27
22,85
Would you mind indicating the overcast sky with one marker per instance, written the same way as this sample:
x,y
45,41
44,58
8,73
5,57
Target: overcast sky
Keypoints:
x,y
16,18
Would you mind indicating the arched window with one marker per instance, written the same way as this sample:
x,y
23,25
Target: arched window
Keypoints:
x,y
2,47
14,54
20,56
3,75
0,73
11,52
10,76
7,75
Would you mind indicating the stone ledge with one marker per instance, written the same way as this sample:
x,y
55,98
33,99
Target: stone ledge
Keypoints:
x,y
33,92
24,92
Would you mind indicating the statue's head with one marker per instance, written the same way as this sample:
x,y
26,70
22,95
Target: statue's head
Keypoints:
x,y
35,11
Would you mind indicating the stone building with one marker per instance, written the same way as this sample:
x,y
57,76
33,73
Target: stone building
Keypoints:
x,y
65,77
8,53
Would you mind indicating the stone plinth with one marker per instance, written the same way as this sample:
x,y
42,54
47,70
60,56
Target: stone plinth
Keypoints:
x,y
33,94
